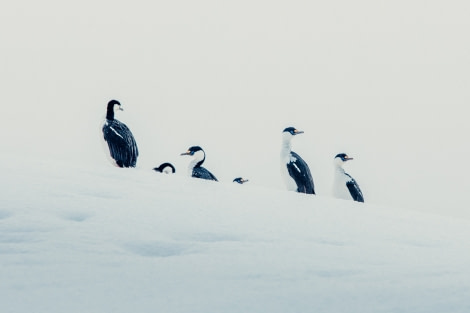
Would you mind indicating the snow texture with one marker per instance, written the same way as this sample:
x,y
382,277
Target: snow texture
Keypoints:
x,y
386,82
104,239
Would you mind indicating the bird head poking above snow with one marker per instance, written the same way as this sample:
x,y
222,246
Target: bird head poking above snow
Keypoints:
x,y
292,131
342,158
240,180
166,168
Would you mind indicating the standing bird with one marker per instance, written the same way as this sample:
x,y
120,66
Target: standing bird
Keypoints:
x,y
122,146
294,169
240,180
166,168
195,166
344,186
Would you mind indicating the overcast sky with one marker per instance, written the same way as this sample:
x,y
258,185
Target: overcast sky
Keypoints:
x,y
385,82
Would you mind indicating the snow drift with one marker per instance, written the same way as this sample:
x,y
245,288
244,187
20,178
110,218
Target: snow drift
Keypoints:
x,y
102,239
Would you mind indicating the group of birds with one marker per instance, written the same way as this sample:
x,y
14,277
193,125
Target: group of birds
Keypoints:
x,y
295,171
297,176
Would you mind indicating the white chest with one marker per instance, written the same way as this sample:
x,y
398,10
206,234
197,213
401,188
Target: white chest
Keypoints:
x,y
288,180
340,190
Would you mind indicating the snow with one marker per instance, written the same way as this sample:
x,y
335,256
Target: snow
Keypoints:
x,y
384,82
104,239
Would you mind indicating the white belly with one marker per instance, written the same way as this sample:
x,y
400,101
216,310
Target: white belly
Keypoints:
x,y
340,190
288,180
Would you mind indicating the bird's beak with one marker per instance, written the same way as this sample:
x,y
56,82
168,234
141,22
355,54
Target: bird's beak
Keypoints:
x,y
120,108
298,132
186,153
349,159
244,180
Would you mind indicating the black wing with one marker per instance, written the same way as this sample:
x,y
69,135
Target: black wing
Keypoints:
x,y
121,143
201,172
354,190
299,171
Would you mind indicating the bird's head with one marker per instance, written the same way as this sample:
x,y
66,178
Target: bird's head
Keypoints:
x,y
166,168
192,150
342,158
289,133
198,154
292,131
240,180
115,105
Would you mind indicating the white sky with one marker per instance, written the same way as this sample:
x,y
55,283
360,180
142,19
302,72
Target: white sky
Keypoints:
x,y
386,82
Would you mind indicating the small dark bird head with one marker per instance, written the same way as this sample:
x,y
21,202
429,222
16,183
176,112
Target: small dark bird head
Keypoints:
x,y
166,168
240,180
293,131
112,103
342,157
192,150
110,109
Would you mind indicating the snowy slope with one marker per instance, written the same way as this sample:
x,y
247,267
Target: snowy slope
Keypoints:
x,y
100,239
385,82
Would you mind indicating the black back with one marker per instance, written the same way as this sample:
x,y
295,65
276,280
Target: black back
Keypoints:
x,y
163,165
354,189
121,143
300,172
201,172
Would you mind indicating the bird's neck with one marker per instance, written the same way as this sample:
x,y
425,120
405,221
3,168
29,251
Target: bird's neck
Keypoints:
x,y
110,113
193,164
340,170
199,158
196,163
286,147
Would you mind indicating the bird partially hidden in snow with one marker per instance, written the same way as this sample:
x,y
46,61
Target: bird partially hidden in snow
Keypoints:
x,y
240,180
294,169
166,168
195,166
121,143
344,186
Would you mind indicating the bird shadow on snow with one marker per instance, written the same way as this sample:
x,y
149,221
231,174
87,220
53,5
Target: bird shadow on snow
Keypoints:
x,y
157,248
76,216
4,215
184,244
207,237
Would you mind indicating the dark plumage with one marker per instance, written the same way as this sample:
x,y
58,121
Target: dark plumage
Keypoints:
x,y
240,180
166,168
121,143
195,167
344,186
294,169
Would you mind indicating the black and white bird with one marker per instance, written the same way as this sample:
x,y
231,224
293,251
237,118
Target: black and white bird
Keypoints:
x,y
240,180
344,186
294,169
121,143
195,166
166,168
